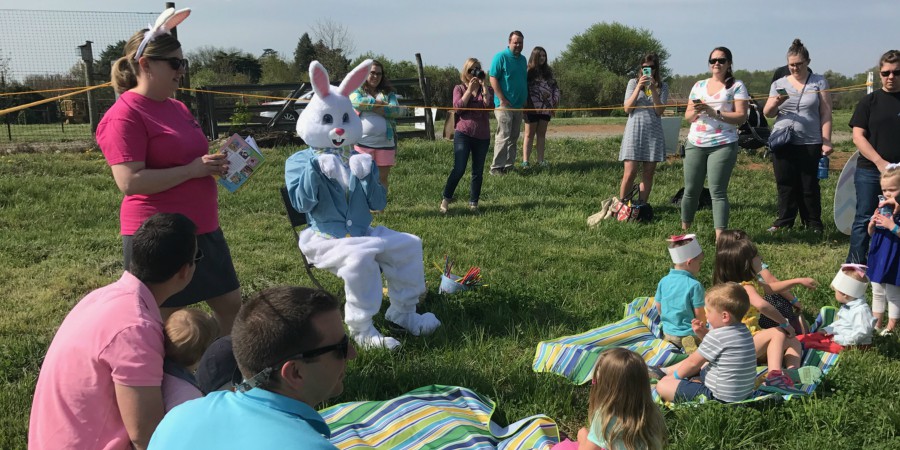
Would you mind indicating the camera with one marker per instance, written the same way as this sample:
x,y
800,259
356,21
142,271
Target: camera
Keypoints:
x,y
477,73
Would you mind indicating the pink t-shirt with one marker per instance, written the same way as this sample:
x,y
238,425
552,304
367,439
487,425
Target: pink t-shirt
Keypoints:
x,y
176,391
162,134
112,336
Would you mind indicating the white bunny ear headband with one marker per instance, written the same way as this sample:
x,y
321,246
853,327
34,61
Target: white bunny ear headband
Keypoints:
x,y
892,166
848,285
164,23
685,252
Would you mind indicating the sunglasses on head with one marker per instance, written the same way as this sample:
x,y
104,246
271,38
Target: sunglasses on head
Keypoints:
x,y
175,62
718,60
887,73
198,256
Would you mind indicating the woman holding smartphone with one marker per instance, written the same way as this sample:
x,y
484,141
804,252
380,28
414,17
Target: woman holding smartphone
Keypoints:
x,y
643,141
717,106
800,100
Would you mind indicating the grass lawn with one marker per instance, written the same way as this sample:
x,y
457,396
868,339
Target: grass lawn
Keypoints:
x,y
549,276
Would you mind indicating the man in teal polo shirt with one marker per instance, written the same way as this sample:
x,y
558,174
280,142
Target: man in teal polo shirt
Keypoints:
x,y
509,78
290,345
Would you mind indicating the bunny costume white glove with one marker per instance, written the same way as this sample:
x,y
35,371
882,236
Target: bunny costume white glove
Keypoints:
x,y
361,165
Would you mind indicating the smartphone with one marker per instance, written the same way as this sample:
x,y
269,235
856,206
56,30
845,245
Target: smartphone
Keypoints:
x,y
781,91
647,71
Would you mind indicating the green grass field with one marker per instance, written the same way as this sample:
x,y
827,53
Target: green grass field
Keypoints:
x,y
549,276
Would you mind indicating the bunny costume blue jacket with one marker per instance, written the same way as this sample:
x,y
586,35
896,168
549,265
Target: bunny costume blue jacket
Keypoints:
x,y
331,210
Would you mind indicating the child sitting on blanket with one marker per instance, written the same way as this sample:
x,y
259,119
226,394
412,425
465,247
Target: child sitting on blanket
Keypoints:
x,y
724,366
621,411
781,296
189,332
679,296
778,347
854,323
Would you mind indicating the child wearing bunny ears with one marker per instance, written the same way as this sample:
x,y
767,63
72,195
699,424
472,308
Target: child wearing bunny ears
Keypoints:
x,y
679,296
854,323
884,259
337,188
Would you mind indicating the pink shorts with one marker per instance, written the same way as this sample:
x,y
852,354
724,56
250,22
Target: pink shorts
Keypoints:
x,y
384,157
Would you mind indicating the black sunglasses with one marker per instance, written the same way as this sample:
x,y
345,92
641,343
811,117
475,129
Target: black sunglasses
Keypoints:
x,y
718,60
175,62
342,347
198,256
887,73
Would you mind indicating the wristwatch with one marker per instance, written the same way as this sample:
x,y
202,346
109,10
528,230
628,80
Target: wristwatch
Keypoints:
x,y
718,114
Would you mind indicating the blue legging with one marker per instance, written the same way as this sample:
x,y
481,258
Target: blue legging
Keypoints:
x,y
717,163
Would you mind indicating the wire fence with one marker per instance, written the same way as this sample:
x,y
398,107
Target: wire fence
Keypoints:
x,y
42,58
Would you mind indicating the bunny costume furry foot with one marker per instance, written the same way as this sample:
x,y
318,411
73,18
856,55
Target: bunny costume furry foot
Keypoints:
x,y
369,338
416,324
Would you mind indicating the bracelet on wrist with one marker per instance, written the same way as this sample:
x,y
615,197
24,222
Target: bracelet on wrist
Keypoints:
x,y
675,375
794,301
895,229
784,325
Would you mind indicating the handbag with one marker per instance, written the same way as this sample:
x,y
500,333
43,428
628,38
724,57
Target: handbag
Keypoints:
x,y
627,209
782,136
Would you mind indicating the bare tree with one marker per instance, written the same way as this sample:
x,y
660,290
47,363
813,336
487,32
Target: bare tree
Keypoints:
x,y
335,36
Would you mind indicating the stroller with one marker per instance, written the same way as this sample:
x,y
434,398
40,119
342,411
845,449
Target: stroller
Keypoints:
x,y
754,133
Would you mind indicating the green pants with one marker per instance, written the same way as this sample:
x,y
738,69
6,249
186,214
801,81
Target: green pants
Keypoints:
x,y
717,163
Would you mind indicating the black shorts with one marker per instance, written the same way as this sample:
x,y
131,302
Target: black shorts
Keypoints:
x,y
533,117
214,275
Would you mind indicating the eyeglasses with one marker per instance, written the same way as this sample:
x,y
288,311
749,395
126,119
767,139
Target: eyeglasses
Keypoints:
x,y
718,60
198,256
887,73
175,62
342,347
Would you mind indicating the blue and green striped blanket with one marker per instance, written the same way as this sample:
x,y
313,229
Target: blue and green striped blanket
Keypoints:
x,y
435,417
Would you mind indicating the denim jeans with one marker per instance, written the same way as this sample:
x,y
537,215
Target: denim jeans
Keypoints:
x,y
463,145
868,188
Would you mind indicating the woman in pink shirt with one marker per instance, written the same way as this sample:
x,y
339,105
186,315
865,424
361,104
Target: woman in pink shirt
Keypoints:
x,y
472,100
160,160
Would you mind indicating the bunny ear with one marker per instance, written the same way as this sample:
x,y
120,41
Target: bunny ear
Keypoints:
x,y
161,20
176,18
318,76
355,78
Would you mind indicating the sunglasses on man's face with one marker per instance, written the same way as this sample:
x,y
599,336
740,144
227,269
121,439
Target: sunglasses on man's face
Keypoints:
x,y
887,73
718,60
342,347
175,62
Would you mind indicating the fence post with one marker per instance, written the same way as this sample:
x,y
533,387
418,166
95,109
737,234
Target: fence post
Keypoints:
x,y
870,83
426,95
174,31
87,56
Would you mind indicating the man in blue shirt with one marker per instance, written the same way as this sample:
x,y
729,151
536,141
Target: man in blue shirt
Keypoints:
x,y
509,78
290,345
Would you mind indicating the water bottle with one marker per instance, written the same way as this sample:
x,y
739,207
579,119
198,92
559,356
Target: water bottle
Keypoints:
x,y
885,210
823,168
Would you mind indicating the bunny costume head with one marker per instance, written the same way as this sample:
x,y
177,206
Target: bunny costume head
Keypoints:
x,y
329,121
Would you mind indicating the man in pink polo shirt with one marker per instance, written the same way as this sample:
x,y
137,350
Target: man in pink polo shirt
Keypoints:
x,y
99,386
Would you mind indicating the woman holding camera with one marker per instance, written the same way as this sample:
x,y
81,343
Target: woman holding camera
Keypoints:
x,y
643,141
472,100
800,100
543,96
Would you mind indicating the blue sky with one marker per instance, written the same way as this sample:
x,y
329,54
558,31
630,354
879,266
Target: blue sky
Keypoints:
x,y
847,37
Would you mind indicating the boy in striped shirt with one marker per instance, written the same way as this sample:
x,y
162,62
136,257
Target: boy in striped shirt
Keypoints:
x,y
724,366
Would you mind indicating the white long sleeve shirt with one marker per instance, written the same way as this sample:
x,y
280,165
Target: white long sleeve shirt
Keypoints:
x,y
854,324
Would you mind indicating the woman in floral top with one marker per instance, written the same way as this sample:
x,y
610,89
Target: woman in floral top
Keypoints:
x,y
543,96
717,106
377,105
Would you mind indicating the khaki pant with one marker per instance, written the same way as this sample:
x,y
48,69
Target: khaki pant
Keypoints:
x,y
508,125
676,340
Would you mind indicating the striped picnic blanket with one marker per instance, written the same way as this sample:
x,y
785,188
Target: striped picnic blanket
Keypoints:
x,y
574,356
434,417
